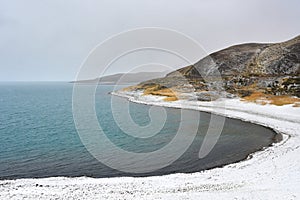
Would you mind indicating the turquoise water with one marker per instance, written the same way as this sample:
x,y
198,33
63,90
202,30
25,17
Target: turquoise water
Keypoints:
x,y
39,139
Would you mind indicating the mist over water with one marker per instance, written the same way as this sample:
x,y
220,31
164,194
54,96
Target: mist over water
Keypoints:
x,y
39,139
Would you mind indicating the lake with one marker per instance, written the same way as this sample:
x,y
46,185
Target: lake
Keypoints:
x,y
39,139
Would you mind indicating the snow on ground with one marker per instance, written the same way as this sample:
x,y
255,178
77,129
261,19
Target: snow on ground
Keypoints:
x,y
273,173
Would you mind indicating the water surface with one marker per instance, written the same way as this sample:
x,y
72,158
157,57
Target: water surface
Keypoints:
x,y
39,139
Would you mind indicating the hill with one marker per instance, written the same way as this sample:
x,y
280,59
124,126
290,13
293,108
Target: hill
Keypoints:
x,y
246,70
123,78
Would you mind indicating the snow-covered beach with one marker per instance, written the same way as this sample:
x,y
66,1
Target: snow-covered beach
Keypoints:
x,y
273,173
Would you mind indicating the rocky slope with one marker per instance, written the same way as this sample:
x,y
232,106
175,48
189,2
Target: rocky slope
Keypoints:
x,y
271,69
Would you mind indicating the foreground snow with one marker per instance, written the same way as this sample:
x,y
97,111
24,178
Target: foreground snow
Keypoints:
x,y
270,174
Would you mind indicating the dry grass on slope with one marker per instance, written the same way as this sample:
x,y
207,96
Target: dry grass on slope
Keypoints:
x,y
261,98
169,93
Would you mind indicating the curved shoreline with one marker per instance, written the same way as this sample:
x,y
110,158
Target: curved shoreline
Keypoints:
x,y
273,173
280,137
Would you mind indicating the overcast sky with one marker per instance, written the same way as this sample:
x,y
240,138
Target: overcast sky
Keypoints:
x,y
48,40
